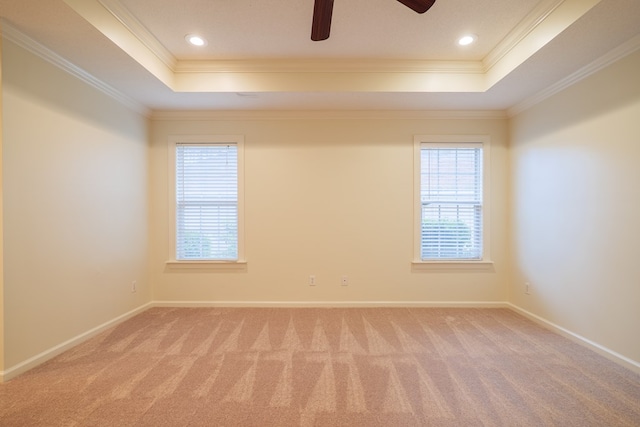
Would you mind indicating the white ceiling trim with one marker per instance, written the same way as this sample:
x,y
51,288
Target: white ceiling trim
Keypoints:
x,y
329,66
94,12
293,77
543,24
526,26
522,30
135,27
505,57
13,35
616,54
116,8
116,22
329,82
555,22
185,115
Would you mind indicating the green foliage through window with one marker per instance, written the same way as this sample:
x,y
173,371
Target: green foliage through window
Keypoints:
x,y
446,239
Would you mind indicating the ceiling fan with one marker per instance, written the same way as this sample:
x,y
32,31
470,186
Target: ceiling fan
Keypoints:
x,y
323,9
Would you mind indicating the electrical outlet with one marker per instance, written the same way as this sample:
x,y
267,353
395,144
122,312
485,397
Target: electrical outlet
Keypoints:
x,y
134,286
344,281
312,280
527,288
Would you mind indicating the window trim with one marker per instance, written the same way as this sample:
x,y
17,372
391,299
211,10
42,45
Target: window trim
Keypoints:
x,y
452,141
174,140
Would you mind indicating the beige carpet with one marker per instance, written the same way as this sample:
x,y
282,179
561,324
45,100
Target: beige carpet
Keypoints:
x,y
325,367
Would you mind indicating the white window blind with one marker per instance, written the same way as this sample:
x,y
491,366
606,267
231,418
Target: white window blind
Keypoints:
x,y
206,201
451,201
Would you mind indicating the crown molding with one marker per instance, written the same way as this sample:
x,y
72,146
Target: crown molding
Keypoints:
x,y
13,35
131,23
242,115
604,61
522,30
328,66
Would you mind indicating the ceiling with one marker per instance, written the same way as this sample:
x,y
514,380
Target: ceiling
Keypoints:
x,y
380,56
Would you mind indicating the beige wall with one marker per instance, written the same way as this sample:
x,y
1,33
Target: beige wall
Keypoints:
x,y
576,205
75,206
329,197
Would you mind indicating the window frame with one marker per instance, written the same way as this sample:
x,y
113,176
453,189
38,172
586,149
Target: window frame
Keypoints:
x,y
174,141
452,141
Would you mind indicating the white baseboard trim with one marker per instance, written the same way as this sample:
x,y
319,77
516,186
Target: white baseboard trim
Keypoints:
x,y
332,304
34,361
601,350
38,359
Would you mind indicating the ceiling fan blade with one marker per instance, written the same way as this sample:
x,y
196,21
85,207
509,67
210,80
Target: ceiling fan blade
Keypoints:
x,y
321,26
420,6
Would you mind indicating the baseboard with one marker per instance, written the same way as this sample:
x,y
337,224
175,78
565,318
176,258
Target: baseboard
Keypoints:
x,y
601,350
332,304
32,362
38,359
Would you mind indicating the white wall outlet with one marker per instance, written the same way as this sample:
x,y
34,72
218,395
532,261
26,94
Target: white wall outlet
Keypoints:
x,y
527,288
344,281
134,286
312,280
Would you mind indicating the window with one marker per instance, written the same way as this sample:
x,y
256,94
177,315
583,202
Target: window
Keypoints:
x,y
208,208
450,198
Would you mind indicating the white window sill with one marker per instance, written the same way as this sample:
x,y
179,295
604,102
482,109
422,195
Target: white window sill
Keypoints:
x,y
207,265
484,265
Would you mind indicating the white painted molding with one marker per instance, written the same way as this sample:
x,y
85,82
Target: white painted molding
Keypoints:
x,y
13,35
328,66
334,304
604,61
38,359
60,348
522,30
186,115
131,23
601,350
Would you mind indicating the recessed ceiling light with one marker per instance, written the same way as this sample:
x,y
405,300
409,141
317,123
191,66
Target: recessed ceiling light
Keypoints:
x,y
467,39
195,40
